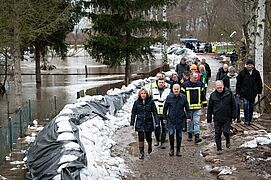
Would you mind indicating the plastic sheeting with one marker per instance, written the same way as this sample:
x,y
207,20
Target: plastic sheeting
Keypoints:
x,y
44,154
53,154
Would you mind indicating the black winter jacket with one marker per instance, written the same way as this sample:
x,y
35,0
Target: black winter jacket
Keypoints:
x,y
220,74
144,115
189,86
208,70
181,68
171,82
222,106
174,110
248,86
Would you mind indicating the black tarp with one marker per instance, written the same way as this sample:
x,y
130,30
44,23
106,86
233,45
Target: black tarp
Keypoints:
x,y
44,154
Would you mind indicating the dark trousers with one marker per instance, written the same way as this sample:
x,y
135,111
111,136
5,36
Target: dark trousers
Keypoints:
x,y
184,124
237,100
172,131
219,128
143,135
248,109
157,131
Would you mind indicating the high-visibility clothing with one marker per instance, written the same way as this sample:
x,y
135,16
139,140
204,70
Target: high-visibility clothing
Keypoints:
x,y
214,49
195,94
159,96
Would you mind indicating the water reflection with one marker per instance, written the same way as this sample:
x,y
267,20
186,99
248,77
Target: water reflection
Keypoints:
x,y
63,82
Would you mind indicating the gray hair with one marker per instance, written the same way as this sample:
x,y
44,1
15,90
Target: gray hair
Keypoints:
x,y
219,82
225,66
176,85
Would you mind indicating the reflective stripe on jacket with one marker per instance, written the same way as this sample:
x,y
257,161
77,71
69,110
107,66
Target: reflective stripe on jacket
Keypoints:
x,y
159,99
195,94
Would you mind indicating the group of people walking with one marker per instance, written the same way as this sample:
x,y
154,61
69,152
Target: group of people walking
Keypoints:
x,y
245,85
176,105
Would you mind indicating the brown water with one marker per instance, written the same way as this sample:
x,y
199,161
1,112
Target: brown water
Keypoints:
x,y
63,83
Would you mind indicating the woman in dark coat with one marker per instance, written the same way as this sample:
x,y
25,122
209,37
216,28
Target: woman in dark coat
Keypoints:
x,y
143,115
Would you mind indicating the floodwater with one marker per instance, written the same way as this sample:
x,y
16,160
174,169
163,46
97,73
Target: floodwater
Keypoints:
x,y
64,82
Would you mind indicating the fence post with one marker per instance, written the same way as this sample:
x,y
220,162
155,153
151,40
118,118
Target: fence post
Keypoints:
x,y
55,104
86,69
10,133
29,113
20,123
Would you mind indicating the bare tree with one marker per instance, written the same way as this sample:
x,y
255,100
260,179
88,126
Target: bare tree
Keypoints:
x,y
259,39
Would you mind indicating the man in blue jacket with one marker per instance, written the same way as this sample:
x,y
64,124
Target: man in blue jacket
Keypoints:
x,y
175,112
223,107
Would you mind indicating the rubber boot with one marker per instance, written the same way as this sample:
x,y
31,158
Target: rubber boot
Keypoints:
x,y
178,148
197,139
141,150
150,147
157,134
189,137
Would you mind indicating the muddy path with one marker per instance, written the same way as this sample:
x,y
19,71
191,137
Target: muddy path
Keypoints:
x,y
195,158
158,164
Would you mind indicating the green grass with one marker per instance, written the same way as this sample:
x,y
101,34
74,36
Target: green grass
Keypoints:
x,y
225,48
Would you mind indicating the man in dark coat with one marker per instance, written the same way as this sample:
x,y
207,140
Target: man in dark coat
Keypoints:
x,y
175,112
222,72
143,112
174,79
182,67
207,69
233,57
222,105
249,84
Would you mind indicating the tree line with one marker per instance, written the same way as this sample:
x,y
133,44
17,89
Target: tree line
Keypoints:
x,y
123,30
32,25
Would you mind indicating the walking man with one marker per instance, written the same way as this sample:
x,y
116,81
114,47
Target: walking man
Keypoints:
x,y
221,108
182,67
249,84
233,57
207,68
222,72
175,111
194,92
230,81
159,93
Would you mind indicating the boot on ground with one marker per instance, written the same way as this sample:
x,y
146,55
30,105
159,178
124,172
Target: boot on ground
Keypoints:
x,y
141,154
197,139
171,152
178,154
189,137
163,146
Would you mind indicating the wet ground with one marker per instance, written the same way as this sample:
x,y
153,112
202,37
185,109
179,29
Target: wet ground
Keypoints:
x,y
159,165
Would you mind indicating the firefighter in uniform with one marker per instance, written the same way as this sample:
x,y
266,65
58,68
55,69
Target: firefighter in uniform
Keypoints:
x,y
159,90
194,91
